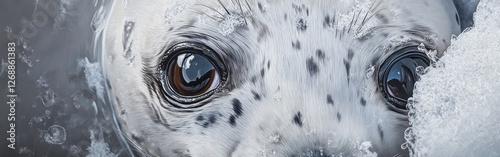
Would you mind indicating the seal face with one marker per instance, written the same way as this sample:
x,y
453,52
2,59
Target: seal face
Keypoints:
x,y
270,78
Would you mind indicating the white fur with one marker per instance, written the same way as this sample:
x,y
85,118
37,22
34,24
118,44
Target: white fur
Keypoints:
x,y
266,127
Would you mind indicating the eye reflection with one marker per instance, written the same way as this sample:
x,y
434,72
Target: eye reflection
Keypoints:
x,y
192,74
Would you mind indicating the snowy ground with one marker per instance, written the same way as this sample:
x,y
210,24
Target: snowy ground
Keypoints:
x,y
457,103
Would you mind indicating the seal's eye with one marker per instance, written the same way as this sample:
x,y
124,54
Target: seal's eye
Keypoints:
x,y
190,72
397,75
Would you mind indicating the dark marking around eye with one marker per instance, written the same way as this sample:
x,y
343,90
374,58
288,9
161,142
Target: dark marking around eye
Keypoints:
x,y
350,54
320,54
268,64
256,96
171,28
262,72
312,67
339,117
380,132
301,25
237,107
329,99
362,101
285,16
297,119
456,18
296,45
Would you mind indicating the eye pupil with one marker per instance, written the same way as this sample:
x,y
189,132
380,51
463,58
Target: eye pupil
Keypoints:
x,y
192,74
398,75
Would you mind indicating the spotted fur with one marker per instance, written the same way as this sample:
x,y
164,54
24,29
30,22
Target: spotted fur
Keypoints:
x,y
299,79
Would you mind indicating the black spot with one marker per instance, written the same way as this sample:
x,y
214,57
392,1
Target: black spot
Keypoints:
x,y
347,65
329,99
326,21
200,118
312,67
212,119
256,96
285,16
301,25
297,119
385,35
380,132
204,122
320,54
268,64
253,79
262,72
171,28
261,8
350,54
339,117
296,45
362,101
237,107
232,120
456,18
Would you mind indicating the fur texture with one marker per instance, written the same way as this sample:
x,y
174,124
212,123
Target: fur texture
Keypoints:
x,y
301,74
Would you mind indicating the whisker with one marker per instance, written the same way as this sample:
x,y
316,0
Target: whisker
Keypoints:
x,y
222,15
248,5
227,11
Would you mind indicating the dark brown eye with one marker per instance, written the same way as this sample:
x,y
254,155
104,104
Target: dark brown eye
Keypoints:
x,y
190,72
397,75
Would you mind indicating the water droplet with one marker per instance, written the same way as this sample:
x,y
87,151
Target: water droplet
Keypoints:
x,y
55,135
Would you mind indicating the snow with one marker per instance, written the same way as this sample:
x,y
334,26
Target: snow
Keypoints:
x,y
454,111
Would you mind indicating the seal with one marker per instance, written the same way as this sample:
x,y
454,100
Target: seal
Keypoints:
x,y
270,78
